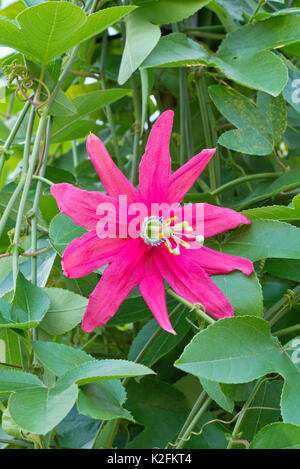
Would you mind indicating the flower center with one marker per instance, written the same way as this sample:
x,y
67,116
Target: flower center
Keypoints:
x,y
157,230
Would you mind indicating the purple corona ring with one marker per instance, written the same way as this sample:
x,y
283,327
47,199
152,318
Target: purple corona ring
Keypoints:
x,y
164,245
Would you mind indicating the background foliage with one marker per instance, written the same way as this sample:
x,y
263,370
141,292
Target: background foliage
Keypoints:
x,y
230,70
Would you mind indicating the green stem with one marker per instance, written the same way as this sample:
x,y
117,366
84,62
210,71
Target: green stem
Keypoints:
x,y
243,412
261,3
12,135
40,178
74,153
205,34
191,306
21,443
243,179
215,27
36,202
201,95
283,305
191,415
108,107
31,166
287,330
12,365
183,139
198,410
137,128
21,183
10,105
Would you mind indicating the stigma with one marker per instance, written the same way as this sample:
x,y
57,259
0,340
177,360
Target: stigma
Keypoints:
x,y
157,230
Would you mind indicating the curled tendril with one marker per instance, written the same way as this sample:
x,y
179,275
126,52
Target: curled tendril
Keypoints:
x,y
261,266
291,297
19,80
15,71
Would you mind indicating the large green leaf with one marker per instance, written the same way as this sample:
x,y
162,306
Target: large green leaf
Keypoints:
x,y
259,127
176,50
40,409
270,34
65,312
169,11
241,349
46,31
13,380
99,370
141,37
277,436
142,34
260,70
263,238
76,366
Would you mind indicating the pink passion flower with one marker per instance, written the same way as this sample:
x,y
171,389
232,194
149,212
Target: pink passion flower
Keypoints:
x,y
164,247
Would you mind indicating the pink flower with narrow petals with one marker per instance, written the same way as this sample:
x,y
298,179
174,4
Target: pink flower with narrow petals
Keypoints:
x,y
164,248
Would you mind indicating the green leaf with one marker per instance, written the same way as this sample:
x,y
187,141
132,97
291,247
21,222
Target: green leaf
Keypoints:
x,y
60,358
141,37
169,11
267,400
40,409
215,391
277,435
64,127
28,307
65,312
243,292
76,431
160,408
259,127
176,50
59,26
284,268
241,349
276,212
163,342
103,401
76,366
62,231
9,347
264,238
13,380
287,181
270,34
260,70
99,370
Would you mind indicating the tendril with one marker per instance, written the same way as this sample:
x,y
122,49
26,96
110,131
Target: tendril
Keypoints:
x,y
225,422
18,79
291,297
